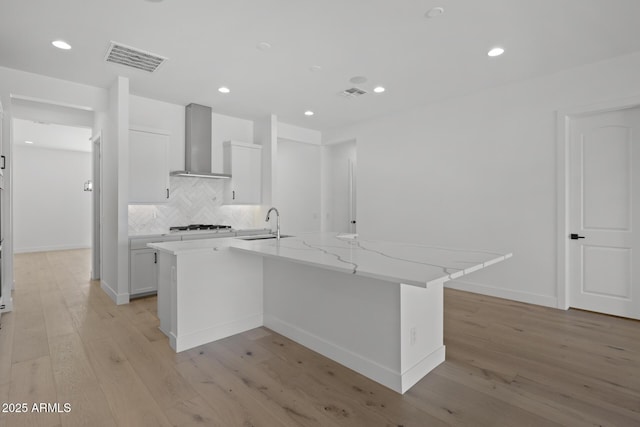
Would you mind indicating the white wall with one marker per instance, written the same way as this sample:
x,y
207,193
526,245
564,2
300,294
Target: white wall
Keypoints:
x,y
479,172
114,125
50,113
298,191
300,134
266,132
51,210
227,128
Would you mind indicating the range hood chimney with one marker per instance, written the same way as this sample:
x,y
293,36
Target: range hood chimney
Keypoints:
x,y
198,144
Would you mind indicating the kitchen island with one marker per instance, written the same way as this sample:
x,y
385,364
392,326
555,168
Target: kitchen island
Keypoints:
x,y
375,307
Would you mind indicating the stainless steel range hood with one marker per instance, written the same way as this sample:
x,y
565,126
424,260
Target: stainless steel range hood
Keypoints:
x,y
198,144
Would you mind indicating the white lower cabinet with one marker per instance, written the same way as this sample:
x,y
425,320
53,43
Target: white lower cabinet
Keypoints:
x,y
143,265
144,271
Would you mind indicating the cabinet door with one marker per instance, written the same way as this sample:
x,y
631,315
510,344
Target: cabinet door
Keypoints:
x,y
246,177
148,167
144,271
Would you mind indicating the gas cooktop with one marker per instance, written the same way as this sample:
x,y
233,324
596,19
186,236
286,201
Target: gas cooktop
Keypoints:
x,y
197,227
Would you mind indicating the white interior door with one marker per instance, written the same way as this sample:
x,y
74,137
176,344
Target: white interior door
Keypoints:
x,y
342,187
603,213
352,196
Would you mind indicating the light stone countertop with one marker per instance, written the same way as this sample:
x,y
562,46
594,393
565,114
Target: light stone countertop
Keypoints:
x,y
187,233
408,263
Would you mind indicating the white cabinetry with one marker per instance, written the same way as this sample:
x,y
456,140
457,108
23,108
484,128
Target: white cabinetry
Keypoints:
x,y
144,272
143,265
148,166
244,163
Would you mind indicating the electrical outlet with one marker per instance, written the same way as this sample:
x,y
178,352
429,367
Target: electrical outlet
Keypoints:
x,y
412,335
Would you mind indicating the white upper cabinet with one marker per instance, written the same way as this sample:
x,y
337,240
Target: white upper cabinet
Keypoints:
x,y
244,163
148,166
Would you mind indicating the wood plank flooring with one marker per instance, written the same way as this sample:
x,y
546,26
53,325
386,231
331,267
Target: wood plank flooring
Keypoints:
x,y
508,364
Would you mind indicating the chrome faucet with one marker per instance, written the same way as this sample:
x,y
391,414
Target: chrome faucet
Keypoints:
x,y
277,221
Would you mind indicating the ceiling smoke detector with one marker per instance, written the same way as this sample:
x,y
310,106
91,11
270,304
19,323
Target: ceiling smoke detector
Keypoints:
x,y
133,57
353,92
434,12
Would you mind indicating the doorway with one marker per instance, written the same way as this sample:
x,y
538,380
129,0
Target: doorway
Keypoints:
x,y
600,244
342,185
51,186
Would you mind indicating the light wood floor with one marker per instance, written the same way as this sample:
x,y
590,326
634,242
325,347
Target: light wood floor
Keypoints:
x,y
508,364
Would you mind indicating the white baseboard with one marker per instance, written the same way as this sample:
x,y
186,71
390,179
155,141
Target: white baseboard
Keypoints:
x,y
381,374
119,299
422,368
49,248
204,336
529,298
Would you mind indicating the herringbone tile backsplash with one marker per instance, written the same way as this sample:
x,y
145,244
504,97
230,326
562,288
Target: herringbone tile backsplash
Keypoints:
x,y
191,201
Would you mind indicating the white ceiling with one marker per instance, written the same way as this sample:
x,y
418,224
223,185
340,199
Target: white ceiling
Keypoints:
x,y
51,136
213,43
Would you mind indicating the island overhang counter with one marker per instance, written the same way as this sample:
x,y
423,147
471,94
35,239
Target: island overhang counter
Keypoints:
x,y
375,307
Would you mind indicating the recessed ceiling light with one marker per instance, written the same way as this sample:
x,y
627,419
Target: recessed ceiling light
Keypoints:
x,y
224,89
309,113
358,80
379,89
496,51
315,68
263,46
61,44
433,12
28,142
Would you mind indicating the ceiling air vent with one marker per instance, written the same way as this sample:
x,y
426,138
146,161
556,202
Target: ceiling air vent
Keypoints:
x,y
353,92
134,58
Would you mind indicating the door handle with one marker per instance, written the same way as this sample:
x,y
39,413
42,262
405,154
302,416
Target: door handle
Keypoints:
x,y
4,162
155,257
574,236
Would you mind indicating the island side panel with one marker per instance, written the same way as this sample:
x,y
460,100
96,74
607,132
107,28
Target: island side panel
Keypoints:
x,y
166,264
350,319
219,293
422,329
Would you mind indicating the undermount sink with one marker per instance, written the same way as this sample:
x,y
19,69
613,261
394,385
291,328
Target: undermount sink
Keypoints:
x,y
262,237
